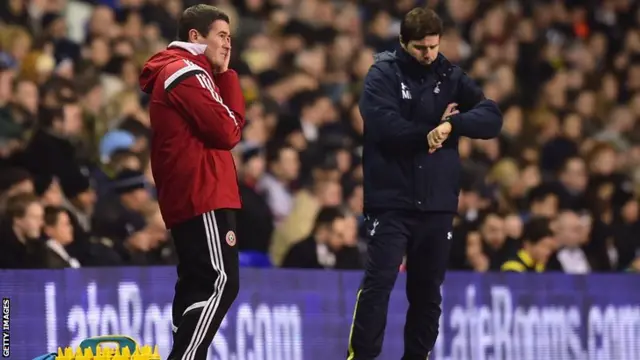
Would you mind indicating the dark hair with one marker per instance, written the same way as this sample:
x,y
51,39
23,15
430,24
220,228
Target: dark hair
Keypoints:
x,y
120,156
12,176
327,216
199,17
134,126
308,98
48,116
349,188
537,229
485,215
52,214
540,193
418,23
275,150
17,205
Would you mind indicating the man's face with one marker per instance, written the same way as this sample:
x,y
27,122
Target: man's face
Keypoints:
x,y
289,164
6,79
130,162
356,200
31,223
86,200
53,196
27,96
468,200
59,28
218,41
338,232
513,226
255,167
547,207
137,199
541,251
574,176
72,123
326,108
99,52
604,163
493,231
62,231
424,50
569,230
331,194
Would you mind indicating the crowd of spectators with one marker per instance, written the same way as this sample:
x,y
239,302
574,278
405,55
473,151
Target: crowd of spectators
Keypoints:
x,y
76,188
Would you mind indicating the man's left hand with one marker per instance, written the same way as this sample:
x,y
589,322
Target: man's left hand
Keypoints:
x,y
437,136
225,67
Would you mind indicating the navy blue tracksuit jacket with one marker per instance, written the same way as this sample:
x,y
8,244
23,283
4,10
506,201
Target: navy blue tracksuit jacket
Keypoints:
x,y
401,102
411,196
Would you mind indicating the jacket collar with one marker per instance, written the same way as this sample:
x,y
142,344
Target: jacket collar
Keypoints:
x,y
440,66
192,51
193,48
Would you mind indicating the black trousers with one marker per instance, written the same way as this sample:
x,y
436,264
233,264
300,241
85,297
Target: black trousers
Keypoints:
x,y
208,281
426,240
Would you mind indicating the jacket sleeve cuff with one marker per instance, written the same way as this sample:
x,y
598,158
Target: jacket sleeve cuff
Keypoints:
x,y
230,90
456,123
424,130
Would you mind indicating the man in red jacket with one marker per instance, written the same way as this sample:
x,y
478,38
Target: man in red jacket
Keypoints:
x,y
197,115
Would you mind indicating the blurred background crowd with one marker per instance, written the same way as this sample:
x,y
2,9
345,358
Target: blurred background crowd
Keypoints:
x,y
76,188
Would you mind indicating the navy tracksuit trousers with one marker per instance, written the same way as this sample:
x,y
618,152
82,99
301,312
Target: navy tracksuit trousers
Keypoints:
x,y
425,237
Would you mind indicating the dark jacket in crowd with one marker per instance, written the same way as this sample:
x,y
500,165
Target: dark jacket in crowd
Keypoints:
x,y
308,254
31,254
51,155
255,221
401,103
114,221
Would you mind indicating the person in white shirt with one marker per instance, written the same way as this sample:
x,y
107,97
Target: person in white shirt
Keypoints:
x,y
570,233
59,231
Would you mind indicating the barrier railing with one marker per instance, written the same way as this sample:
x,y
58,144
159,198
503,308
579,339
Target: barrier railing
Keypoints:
x,y
306,315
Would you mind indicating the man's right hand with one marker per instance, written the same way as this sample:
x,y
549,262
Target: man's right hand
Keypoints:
x,y
437,136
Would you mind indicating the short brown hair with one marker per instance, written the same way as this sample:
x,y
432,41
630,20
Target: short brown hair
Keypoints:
x,y
418,23
199,17
17,205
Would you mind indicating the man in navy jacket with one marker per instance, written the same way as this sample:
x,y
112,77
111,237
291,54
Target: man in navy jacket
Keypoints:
x,y
415,105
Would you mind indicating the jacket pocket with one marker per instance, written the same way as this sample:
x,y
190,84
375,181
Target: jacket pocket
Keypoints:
x,y
444,179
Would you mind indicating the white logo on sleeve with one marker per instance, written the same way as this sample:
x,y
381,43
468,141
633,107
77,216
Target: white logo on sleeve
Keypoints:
x,y
406,94
449,235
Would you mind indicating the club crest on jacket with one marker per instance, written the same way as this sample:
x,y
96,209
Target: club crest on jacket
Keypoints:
x,y
231,238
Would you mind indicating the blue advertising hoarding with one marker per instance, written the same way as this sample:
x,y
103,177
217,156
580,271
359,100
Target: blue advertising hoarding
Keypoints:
x,y
306,315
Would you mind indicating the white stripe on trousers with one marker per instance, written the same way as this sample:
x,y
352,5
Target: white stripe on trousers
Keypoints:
x,y
209,311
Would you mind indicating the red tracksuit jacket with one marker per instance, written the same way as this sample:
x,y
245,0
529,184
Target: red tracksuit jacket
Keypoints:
x,y
196,119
